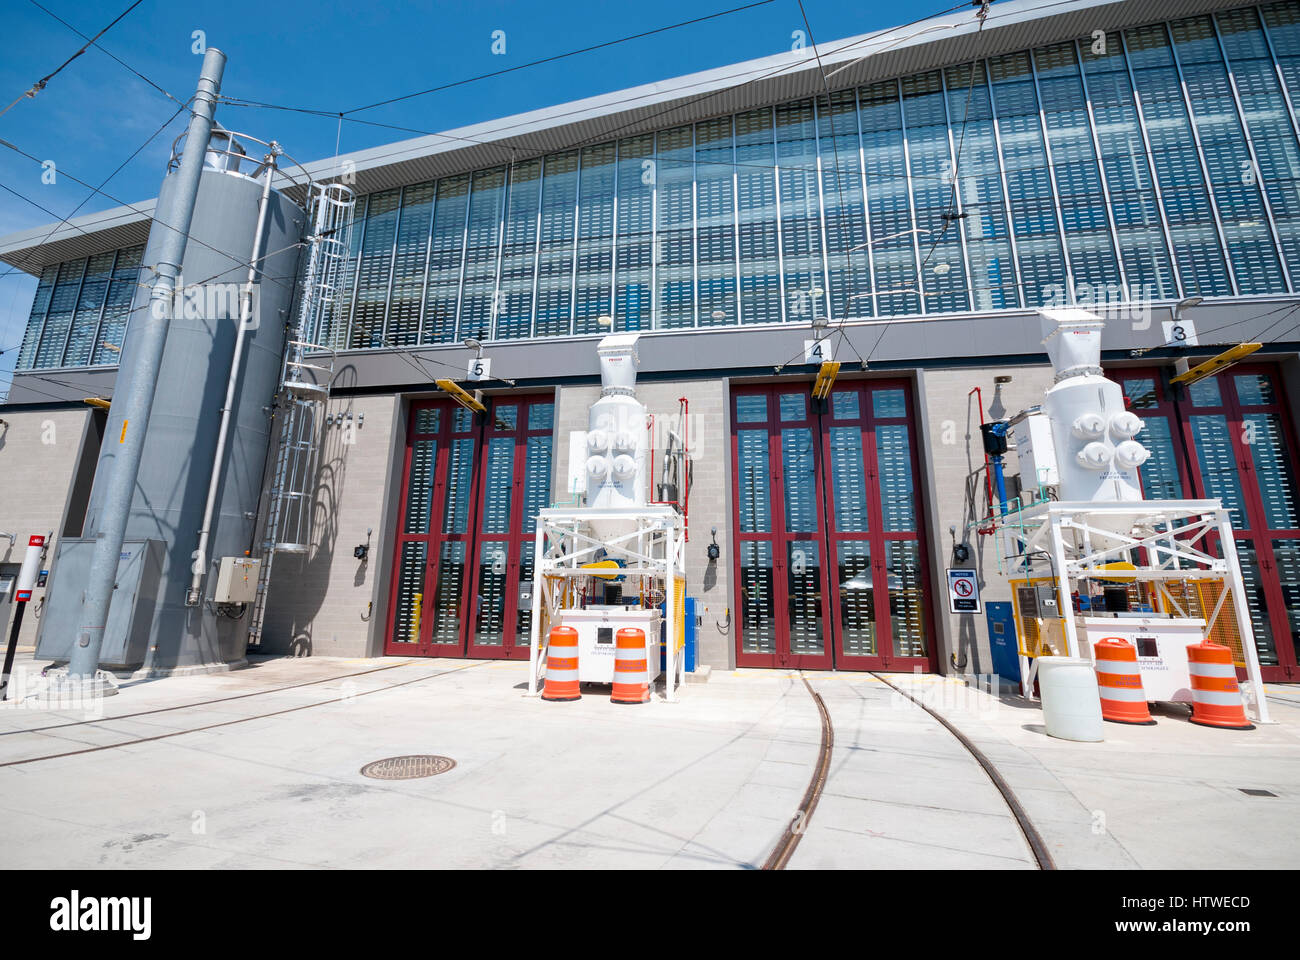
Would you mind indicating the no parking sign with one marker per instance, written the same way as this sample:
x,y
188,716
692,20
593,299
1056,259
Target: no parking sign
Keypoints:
x,y
963,591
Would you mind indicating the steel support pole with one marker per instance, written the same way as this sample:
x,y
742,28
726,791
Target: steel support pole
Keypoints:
x,y
135,390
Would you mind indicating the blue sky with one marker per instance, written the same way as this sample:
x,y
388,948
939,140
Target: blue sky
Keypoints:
x,y
333,56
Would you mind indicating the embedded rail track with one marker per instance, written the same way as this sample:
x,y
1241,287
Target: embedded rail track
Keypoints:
x,y
226,723
789,841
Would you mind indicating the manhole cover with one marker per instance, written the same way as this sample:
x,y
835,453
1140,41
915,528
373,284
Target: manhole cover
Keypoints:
x,y
410,767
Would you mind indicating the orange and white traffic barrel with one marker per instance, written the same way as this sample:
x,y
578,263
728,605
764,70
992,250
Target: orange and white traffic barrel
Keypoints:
x,y
630,672
1123,700
1216,698
562,666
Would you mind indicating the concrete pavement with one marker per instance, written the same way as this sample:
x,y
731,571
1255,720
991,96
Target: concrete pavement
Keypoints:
x,y
709,782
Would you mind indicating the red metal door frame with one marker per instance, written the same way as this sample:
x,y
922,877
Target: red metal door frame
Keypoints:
x,y
1179,411
875,535
519,533
433,539
777,536
826,537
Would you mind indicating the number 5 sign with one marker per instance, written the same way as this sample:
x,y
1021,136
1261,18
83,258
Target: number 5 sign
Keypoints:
x,y
480,368
963,591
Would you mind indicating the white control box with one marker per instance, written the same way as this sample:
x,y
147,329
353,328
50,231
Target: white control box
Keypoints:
x,y
597,627
1036,451
237,580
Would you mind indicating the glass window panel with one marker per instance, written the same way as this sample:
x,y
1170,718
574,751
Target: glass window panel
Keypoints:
x,y
751,408
446,254
556,248
428,419
505,416
117,305
1254,389
675,236
519,253
410,592
752,482
906,597
715,239
419,488
541,416
794,407
409,264
888,403
799,481
36,318
844,405
460,471
849,293
1286,554
894,462
1212,438
800,205
848,479
1205,393
757,603
595,252
374,269
1263,436
1261,623
805,589
490,602
635,233
857,599
94,287
537,481
478,302
63,304
448,596
760,275
1161,479
498,484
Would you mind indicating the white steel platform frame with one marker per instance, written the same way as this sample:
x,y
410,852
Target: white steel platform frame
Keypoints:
x,y
1078,538
653,548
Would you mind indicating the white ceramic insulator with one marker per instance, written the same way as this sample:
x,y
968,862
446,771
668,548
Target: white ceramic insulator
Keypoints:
x,y
1125,425
1095,456
1089,426
597,441
597,468
1130,454
624,467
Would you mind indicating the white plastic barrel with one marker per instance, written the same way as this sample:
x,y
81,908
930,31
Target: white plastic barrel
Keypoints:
x,y
1071,703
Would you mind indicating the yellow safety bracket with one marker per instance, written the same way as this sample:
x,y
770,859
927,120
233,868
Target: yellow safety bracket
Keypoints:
x,y
1213,366
825,379
458,393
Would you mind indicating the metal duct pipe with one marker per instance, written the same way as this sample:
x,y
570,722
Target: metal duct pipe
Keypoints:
x,y
195,592
135,388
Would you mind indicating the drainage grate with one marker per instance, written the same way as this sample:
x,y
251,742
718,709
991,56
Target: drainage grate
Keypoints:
x,y
410,767
1255,792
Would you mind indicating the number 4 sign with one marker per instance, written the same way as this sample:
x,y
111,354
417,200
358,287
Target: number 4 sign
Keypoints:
x,y
963,591
817,351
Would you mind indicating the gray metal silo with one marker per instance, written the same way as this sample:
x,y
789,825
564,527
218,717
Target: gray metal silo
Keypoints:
x,y
160,630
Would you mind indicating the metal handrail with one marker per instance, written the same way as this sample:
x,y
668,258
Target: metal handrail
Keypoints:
x,y
302,180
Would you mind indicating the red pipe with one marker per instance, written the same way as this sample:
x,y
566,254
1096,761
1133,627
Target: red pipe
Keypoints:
x,y
988,479
686,466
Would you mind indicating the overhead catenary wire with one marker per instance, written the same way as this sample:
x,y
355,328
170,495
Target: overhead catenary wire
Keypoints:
x,y
106,52
39,85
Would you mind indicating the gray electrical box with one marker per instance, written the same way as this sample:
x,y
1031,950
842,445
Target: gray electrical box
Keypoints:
x,y
237,580
135,596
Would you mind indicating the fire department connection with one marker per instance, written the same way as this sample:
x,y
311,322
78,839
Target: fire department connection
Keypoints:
x,y
1118,600
609,575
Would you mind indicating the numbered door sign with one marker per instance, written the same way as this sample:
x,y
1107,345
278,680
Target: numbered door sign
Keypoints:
x,y
480,368
817,351
1180,333
963,591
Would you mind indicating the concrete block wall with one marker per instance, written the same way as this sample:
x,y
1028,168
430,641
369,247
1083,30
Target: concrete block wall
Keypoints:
x,y
39,453
954,451
317,602
709,583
